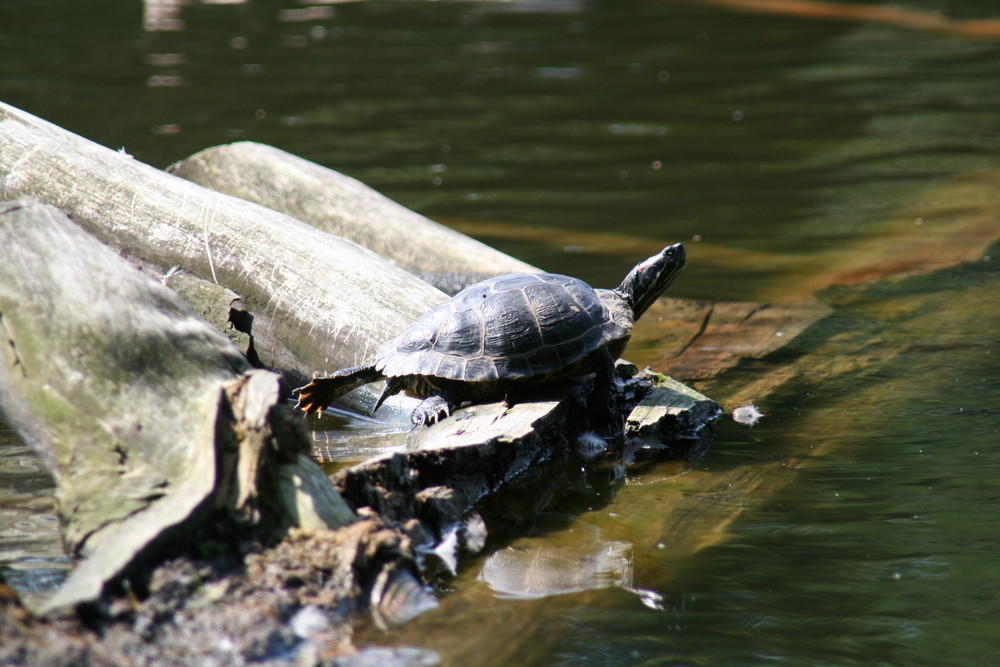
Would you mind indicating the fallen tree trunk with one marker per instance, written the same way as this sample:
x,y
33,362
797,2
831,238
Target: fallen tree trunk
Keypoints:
x,y
328,299
317,301
348,208
146,416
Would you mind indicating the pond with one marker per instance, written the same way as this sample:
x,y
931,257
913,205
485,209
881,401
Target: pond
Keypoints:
x,y
845,154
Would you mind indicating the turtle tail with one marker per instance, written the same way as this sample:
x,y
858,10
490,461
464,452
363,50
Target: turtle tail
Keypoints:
x,y
321,392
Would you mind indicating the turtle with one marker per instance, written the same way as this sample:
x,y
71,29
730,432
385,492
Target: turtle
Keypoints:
x,y
506,334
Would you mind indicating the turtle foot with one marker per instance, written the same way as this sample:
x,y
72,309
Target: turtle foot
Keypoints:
x,y
430,411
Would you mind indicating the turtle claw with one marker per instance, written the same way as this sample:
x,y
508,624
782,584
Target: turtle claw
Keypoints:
x,y
430,411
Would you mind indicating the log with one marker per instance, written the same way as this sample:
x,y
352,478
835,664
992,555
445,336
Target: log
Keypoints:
x,y
348,208
144,414
317,301
320,294
469,461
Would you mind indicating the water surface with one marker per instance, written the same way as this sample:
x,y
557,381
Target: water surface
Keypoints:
x,y
856,523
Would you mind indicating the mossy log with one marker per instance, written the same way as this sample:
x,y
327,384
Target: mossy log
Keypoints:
x,y
348,208
145,415
317,301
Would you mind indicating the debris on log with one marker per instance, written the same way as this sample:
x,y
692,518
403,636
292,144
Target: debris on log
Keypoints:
x,y
348,208
219,306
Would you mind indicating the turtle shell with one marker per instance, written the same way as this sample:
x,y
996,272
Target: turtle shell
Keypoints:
x,y
519,325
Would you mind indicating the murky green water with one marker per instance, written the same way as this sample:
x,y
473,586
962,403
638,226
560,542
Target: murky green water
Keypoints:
x,y
859,526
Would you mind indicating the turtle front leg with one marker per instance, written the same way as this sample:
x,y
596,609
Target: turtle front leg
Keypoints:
x,y
431,410
600,395
603,404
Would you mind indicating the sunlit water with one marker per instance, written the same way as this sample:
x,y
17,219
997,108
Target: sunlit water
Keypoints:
x,y
578,136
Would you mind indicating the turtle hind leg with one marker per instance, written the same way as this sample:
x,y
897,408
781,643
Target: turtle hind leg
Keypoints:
x,y
321,392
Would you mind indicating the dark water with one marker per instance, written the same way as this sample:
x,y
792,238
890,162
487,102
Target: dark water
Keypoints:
x,y
789,153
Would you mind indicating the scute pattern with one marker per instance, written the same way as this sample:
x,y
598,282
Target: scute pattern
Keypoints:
x,y
520,325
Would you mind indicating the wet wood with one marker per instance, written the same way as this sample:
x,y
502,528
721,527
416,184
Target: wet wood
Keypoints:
x,y
317,301
348,208
141,411
446,471
671,412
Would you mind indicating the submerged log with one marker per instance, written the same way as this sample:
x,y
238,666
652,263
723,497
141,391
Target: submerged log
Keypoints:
x,y
696,341
317,301
146,416
348,208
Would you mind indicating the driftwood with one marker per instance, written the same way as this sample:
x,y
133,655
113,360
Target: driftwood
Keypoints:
x,y
300,300
317,301
146,416
348,208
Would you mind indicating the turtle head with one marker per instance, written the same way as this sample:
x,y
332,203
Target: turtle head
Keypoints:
x,y
649,279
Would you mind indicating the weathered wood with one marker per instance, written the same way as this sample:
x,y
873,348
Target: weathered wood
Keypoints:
x,y
446,471
671,411
216,304
348,208
318,301
127,396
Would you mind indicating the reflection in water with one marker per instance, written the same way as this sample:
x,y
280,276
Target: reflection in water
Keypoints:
x,y
854,11
534,572
32,559
163,15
